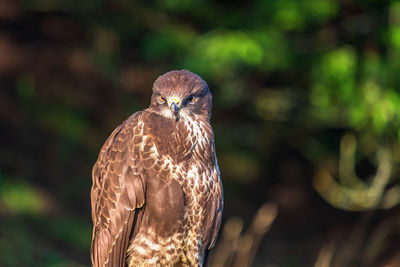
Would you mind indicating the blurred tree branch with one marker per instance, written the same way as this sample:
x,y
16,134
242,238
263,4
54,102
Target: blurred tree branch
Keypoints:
x,y
238,249
350,192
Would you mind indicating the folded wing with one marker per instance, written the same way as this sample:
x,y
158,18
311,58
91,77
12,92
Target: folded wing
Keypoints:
x,y
118,193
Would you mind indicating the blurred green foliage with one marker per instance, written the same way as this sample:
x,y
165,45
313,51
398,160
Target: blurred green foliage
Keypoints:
x,y
20,198
291,80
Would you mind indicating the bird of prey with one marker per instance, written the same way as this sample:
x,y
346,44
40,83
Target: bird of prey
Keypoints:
x,y
157,196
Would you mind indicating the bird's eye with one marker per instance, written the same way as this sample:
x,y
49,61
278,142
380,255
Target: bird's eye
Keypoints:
x,y
191,99
161,99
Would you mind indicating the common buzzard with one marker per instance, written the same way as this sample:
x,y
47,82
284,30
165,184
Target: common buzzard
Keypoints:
x,y
157,195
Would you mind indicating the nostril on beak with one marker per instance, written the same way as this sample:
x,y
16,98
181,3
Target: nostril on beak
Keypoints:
x,y
174,107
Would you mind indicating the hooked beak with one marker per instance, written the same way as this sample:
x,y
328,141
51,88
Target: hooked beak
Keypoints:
x,y
174,106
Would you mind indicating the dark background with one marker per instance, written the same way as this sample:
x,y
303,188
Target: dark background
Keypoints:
x,y
306,115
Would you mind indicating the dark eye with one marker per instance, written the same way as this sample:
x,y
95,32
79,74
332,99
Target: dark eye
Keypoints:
x,y
161,99
191,99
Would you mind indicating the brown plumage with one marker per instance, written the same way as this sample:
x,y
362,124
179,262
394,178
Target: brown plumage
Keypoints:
x,y
157,196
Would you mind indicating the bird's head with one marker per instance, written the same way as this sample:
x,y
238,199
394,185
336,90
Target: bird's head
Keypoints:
x,y
179,94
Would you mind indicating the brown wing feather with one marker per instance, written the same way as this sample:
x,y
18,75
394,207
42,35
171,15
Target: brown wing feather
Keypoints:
x,y
214,207
213,216
118,191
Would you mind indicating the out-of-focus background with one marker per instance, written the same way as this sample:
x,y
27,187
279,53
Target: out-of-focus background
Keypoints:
x,y
306,115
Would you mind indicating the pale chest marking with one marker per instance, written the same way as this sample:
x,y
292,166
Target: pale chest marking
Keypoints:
x,y
196,128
